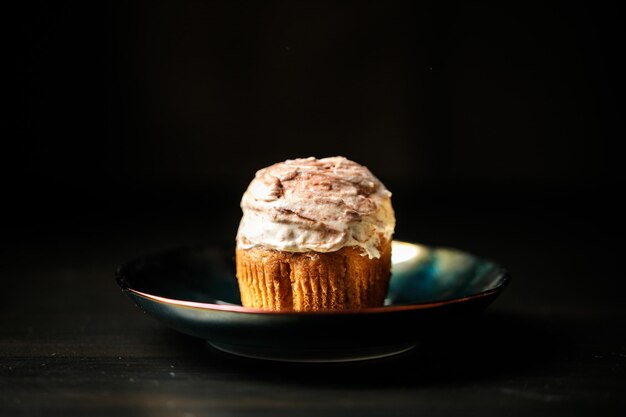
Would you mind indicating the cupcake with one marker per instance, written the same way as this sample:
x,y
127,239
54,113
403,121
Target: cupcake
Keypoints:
x,y
315,235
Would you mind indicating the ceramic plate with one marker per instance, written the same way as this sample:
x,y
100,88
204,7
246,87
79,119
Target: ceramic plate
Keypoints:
x,y
194,290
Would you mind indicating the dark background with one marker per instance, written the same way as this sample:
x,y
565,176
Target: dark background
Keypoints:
x,y
168,97
475,114
136,126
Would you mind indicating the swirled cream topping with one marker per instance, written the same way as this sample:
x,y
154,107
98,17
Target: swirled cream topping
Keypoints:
x,y
319,205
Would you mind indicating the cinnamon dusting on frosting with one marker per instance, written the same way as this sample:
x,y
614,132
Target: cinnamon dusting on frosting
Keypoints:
x,y
318,205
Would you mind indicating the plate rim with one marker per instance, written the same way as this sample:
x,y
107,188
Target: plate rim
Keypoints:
x,y
503,276
369,310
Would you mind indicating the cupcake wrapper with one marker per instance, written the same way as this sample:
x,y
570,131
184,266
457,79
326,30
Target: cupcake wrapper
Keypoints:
x,y
313,281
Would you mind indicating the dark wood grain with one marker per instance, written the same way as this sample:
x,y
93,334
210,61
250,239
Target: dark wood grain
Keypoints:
x,y
71,344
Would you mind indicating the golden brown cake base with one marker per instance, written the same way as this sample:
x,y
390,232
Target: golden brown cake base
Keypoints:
x,y
312,281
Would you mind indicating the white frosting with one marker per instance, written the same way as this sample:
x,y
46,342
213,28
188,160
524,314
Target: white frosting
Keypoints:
x,y
323,205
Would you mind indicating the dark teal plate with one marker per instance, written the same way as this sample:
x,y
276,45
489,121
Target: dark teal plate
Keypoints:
x,y
194,290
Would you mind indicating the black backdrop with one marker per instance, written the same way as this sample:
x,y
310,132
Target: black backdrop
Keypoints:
x,y
123,107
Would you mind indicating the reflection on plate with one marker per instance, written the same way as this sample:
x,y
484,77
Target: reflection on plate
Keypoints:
x,y
194,290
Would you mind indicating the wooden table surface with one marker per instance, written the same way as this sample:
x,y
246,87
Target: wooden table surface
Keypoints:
x,y
554,343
